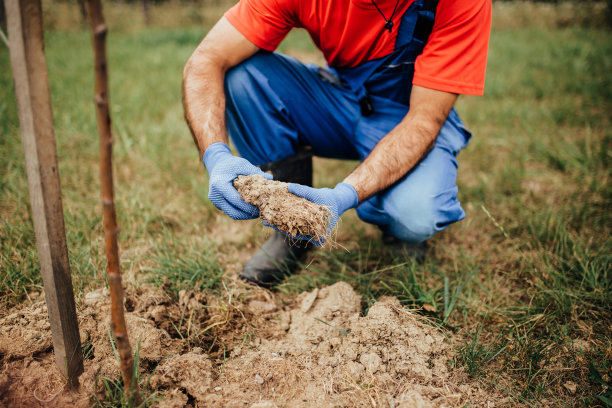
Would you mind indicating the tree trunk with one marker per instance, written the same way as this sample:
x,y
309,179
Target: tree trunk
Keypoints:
x,y
98,28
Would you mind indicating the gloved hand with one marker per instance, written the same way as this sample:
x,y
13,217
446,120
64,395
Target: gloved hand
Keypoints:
x,y
338,200
223,167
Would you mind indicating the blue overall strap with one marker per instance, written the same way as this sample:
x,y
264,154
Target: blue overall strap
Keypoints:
x,y
417,27
425,21
417,23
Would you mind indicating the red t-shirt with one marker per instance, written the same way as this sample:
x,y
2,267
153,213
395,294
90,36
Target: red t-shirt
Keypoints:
x,y
350,32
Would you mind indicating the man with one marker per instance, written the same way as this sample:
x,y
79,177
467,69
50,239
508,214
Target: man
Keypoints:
x,y
395,68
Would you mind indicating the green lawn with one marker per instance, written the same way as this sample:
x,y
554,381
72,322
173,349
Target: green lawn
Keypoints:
x,y
523,284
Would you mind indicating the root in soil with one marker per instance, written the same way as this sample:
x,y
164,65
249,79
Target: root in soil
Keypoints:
x,y
289,213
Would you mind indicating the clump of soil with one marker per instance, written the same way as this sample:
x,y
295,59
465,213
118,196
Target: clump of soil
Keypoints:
x,y
25,332
318,351
277,206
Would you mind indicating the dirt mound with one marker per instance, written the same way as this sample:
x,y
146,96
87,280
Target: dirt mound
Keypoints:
x,y
318,352
330,356
277,206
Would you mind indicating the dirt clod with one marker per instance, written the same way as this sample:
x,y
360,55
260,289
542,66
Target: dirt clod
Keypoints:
x,y
277,206
25,332
190,372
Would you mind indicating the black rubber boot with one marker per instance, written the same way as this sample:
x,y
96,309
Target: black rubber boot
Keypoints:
x,y
279,256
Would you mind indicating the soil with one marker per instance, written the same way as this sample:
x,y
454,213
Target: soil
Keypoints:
x,y
28,376
318,351
287,212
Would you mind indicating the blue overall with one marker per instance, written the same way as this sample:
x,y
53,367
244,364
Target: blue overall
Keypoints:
x,y
274,103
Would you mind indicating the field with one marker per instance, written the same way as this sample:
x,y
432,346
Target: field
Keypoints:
x,y
521,289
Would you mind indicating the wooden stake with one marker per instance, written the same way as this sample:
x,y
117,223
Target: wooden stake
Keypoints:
x,y
98,30
36,121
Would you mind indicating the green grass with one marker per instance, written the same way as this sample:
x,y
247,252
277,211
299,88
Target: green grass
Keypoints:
x,y
523,284
110,392
178,268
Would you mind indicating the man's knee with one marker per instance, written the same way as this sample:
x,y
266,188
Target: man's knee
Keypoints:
x,y
409,220
413,223
252,110
419,217
237,84
244,79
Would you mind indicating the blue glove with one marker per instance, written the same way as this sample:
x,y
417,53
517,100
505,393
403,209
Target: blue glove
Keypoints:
x,y
338,200
223,167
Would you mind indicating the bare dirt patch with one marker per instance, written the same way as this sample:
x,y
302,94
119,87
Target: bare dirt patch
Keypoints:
x,y
28,376
318,351
287,212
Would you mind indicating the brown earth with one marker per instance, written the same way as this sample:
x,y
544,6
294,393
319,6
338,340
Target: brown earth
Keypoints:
x,y
277,206
319,351
28,376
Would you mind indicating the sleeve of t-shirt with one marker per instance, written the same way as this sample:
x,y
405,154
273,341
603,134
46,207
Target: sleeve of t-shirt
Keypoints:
x,y
455,56
263,22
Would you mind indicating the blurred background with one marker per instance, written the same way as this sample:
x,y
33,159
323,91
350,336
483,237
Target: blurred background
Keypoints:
x,y
136,14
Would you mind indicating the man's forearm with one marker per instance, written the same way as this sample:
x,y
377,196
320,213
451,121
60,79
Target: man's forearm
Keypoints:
x,y
409,142
203,79
204,102
394,156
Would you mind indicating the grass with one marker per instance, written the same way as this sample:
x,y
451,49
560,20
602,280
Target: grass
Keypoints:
x,y
178,268
110,392
475,356
523,284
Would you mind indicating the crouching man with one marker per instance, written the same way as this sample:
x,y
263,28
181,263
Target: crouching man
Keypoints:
x,y
395,69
